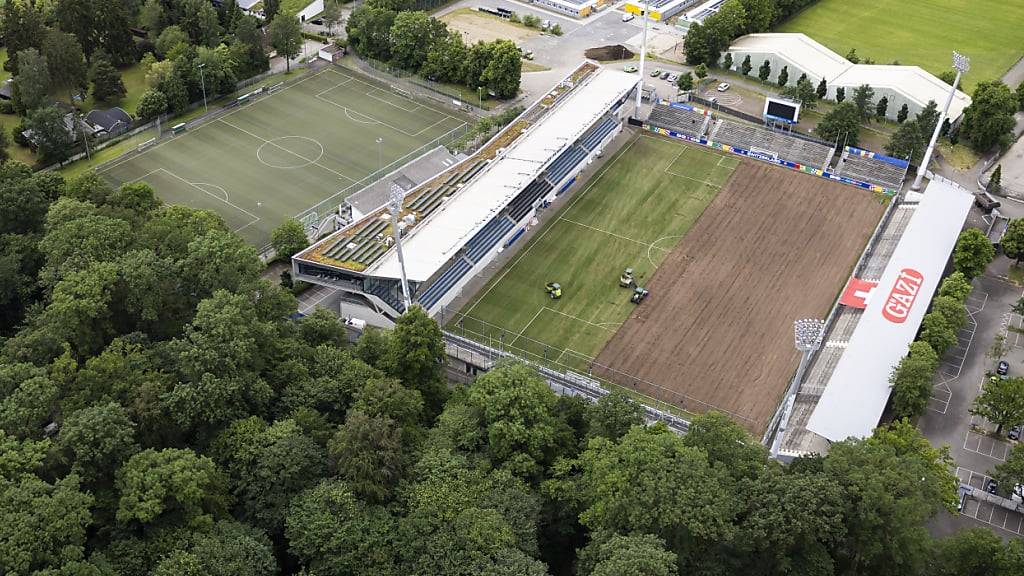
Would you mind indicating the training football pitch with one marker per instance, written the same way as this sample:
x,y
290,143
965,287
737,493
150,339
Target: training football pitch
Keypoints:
x,y
630,215
308,145
920,32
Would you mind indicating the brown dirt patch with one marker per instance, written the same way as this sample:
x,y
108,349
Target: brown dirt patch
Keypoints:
x,y
609,53
717,330
480,27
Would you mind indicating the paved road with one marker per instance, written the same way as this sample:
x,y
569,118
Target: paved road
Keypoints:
x,y
947,420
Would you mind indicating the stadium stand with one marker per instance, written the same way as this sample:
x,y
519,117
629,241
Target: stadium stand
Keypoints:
x,y
680,120
564,164
444,283
522,203
591,139
487,237
748,136
872,168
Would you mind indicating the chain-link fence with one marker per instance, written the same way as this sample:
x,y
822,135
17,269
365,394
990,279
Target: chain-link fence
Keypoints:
x,y
563,359
416,85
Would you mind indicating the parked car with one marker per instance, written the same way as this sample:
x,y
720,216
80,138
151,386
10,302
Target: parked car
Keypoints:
x,y
628,16
991,486
1003,369
545,24
1014,433
319,21
723,86
673,78
655,73
665,75
629,68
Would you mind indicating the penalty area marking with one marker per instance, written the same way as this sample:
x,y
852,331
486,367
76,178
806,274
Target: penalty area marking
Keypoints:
x,y
198,186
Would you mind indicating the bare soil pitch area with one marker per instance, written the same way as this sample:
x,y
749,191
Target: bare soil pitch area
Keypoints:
x,y
717,330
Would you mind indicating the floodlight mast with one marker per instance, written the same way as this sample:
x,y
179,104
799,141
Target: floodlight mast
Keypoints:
x,y
807,336
395,205
643,54
962,64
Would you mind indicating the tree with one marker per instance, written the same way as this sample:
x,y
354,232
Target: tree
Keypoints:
x,y
973,253
639,555
701,71
648,482
727,444
22,26
289,239
989,119
822,89
286,37
335,534
1010,473
5,143
852,56
271,8
995,181
32,85
331,14
840,94
927,118
938,332
50,135
171,483
247,50
881,107
613,415
151,104
151,18
685,82
911,381
783,78
106,81
416,357
412,35
41,524
764,71
862,97
746,66
503,72
727,61
841,123
170,38
97,439
956,285
1001,402
901,116
969,551
907,141
66,61
200,21
803,91
1012,241
892,483
368,29
367,452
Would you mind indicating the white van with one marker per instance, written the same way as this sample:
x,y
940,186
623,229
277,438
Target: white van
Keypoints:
x,y
628,16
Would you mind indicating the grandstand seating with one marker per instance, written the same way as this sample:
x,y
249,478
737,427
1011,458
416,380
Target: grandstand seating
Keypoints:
x,y
871,170
362,241
522,203
678,119
383,291
591,139
564,164
444,283
487,237
743,135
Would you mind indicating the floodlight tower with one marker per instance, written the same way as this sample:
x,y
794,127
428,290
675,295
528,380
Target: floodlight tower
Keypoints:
x,y
643,55
807,336
962,64
395,205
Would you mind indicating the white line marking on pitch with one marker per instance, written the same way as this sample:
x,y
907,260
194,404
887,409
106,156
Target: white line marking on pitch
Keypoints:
x,y
208,193
649,246
579,319
296,154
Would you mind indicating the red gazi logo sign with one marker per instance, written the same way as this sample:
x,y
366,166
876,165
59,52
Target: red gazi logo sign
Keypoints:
x,y
903,294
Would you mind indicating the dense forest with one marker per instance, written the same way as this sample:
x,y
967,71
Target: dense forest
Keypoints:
x,y
164,412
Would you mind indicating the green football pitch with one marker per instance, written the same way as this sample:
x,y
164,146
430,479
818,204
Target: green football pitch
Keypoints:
x,y
308,145
920,32
630,215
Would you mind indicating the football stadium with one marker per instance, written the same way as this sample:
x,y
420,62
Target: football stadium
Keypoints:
x,y
667,256
296,150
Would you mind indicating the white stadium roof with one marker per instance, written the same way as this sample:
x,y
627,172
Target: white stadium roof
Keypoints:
x,y
432,243
858,390
818,61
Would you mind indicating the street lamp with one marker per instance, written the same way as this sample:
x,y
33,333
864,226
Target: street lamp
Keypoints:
x,y
962,64
379,161
808,334
202,81
395,205
480,96
643,54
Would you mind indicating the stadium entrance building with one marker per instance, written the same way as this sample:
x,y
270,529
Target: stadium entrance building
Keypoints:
x,y
910,85
454,224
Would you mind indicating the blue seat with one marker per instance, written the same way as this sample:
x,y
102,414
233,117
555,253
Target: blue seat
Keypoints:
x,y
443,284
487,238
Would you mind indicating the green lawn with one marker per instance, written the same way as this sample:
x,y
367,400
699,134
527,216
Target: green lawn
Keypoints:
x,y
311,143
632,214
920,32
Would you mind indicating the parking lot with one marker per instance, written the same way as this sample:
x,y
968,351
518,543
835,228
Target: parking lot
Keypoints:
x,y
986,512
